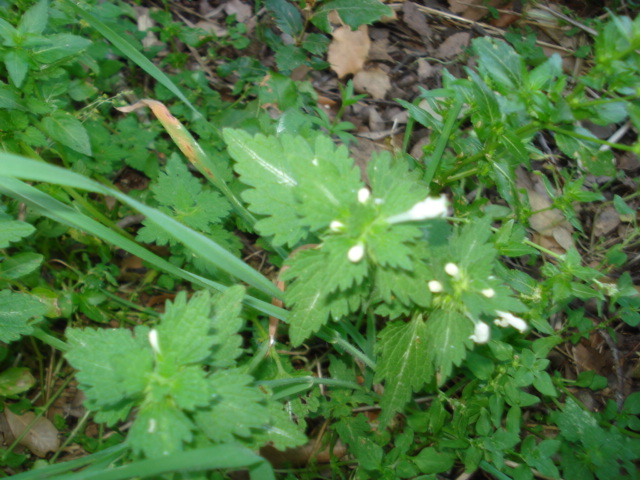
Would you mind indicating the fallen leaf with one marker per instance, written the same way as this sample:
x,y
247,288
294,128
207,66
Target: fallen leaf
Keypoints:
x,y
550,223
453,45
606,222
374,81
469,10
41,438
242,11
416,20
348,50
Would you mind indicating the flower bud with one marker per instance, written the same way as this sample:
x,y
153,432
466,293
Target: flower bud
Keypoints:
x,y
452,269
508,319
481,333
428,208
435,286
356,253
363,194
488,292
153,340
336,226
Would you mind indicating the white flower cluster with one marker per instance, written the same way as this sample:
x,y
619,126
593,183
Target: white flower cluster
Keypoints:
x,y
428,208
482,331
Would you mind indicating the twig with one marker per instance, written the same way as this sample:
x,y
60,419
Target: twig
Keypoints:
x,y
569,20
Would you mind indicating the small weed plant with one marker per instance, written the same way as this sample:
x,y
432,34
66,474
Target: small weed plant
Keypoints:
x,y
409,322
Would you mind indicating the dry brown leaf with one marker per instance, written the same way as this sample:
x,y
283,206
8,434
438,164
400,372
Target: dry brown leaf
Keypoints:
x,y
380,51
466,8
41,439
416,20
454,45
549,223
374,82
348,50
606,222
212,28
242,11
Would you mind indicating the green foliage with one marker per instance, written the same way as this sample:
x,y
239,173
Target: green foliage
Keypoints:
x,y
411,288
159,372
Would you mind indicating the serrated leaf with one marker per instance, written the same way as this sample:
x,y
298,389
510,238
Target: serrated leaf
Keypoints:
x,y
406,287
13,231
299,187
226,325
190,388
67,130
281,431
60,45
184,333
237,407
20,265
356,432
113,365
500,63
35,19
287,16
16,309
448,333
160,429
352,12
17,63
403,364
9,99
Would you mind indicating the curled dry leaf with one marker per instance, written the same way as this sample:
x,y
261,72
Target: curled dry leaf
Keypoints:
x,y
41,438
348,50
374,81
453,45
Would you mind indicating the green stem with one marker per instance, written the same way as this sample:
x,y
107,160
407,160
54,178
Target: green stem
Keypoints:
x,y
443,139
331,336
587,138
50,340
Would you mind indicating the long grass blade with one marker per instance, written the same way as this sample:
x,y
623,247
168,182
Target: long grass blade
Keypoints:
x,y
127,49
19,167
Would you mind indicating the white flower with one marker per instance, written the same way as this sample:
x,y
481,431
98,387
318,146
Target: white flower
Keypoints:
x,y
336,226
435,286
363,194
153,340
488,292
481,333
356,253
428,208
452,269
508,319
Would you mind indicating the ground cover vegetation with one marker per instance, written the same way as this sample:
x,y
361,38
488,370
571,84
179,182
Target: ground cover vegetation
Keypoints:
x,y
212,267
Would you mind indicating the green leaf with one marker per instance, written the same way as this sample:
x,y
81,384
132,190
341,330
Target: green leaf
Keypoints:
x,y
61,45
429,460
8,33
593,159
226,325
17,63
281,431
352,12
500,63
113,364
287,16
447,334
159,430
20,265
15,380
67,130
13,231
35,19
9,99
16,309
299,187
403,352
184,330
237,407
356,433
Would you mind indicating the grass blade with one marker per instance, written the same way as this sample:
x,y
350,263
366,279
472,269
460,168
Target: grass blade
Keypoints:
x,y
20,167
127,49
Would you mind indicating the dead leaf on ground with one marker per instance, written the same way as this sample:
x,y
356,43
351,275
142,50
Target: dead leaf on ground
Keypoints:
x,y
606,222
453,45
374,82
348,50
473,9
416,20
554,229
41,438
242,10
